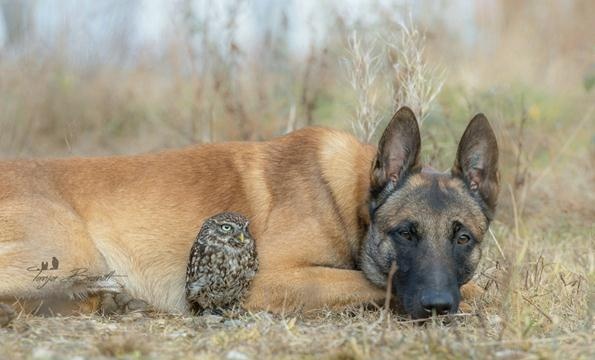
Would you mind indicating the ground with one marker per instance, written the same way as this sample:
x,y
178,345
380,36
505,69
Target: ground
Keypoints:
x,y
354,335
534,306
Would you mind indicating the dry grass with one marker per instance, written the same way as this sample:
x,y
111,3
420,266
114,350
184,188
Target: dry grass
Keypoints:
x,y
539,312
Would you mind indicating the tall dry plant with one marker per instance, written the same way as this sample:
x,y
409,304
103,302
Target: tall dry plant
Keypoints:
x,y
416,83
363,66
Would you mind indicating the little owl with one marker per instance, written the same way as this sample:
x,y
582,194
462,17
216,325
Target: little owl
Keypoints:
x,y
222,263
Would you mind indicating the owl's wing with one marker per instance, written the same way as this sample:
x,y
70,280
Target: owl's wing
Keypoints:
x,y
195,287
200,258
197,256
195,279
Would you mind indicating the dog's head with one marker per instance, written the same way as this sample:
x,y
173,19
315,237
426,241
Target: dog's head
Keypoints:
x,y
429,224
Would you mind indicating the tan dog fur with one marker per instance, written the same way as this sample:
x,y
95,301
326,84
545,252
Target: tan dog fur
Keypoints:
x,y
305,193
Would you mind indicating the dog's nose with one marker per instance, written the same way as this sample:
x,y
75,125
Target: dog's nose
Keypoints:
x,y
441,303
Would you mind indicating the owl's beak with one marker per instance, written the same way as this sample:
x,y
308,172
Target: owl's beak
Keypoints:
x,y
242,239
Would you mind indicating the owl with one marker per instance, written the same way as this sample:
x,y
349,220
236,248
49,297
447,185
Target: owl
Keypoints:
x,y
222,263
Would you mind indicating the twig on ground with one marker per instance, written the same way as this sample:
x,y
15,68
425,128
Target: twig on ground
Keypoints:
x,y
537,308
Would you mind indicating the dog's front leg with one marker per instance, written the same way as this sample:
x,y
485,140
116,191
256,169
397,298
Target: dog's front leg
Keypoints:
x,y
310,288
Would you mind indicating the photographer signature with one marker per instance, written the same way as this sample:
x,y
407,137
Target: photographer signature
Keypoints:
x,y
78,275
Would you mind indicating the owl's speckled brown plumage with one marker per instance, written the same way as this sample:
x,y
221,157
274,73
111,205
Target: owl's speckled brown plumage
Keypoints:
x,y
222,263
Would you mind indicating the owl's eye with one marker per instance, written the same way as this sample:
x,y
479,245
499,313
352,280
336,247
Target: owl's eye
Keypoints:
x,y
226,228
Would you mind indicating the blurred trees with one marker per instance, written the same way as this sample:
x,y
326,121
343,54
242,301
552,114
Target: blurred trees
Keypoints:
x,y
18,20
87,74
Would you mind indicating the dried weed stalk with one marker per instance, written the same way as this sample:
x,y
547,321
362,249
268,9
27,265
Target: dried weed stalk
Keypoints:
x,y
415,82
363,66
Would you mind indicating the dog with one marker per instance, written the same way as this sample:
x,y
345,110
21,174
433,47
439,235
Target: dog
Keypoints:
x,y
329,215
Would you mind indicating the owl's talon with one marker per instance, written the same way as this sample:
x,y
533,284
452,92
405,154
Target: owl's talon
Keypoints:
x,y
215,312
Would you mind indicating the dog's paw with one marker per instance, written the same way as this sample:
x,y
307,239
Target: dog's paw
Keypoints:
x,y
7,314
471,291
122,303
465,308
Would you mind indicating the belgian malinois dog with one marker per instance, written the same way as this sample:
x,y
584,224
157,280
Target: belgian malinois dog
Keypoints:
x,y
329,215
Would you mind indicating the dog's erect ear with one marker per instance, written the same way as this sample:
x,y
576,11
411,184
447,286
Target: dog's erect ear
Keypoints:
x,y
477,161
398,151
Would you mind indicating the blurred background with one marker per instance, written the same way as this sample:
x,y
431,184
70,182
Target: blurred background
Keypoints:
x,y
83,77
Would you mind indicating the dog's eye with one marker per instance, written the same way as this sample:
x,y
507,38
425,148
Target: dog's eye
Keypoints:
x,y
226,227
463,239
406,234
